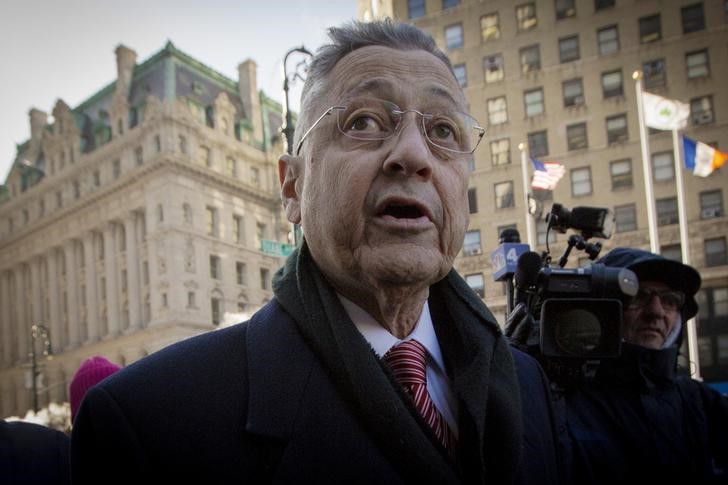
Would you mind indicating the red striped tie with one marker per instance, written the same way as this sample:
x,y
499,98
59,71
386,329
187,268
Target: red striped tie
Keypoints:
x,y
407,361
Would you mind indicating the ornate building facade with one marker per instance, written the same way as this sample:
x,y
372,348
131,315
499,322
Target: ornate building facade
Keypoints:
x,y
137,219
556,76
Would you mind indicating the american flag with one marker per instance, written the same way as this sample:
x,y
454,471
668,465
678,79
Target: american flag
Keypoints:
x,y
546,174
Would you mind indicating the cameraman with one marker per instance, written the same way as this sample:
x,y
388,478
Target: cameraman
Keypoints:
x,y
636,418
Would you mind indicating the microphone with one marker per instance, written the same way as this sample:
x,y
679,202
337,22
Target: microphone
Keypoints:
x,y
527,269
509,236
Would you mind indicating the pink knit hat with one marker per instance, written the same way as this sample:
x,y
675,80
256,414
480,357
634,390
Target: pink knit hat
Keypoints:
x,y
92,371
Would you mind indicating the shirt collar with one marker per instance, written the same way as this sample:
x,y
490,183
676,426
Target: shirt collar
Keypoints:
x,y
381,340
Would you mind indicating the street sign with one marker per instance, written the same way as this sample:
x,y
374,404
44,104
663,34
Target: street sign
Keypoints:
x,y
275,248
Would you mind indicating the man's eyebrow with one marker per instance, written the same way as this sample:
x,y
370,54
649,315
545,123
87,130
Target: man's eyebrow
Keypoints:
x,y
439,92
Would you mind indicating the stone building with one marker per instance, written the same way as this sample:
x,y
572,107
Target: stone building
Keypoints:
x,y
141,217
556,76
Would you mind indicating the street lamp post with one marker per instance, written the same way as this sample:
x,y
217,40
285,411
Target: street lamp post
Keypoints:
x,y
38,331
289,128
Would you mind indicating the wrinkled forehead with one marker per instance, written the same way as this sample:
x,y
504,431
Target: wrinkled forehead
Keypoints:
x,y
412,79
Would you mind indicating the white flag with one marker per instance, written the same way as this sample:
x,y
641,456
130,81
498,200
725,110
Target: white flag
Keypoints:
x,y
665,114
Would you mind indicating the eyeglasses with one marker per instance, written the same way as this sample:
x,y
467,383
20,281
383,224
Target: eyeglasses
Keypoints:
x,y
672,300
377,119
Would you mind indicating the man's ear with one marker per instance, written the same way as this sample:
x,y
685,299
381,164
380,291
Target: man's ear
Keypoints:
x,y
289,173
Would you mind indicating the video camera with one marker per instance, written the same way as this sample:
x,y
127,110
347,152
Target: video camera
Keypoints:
x,y
579,310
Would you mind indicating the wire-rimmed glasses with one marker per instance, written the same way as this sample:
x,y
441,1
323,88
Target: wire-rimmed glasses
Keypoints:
x,y
672,300
377,119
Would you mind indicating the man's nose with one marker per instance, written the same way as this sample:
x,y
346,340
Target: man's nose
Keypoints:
x,y
655,305
411,153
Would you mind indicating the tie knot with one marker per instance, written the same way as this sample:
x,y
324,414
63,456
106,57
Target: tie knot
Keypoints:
x,y
407,361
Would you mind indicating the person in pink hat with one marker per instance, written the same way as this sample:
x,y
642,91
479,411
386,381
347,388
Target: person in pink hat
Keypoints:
x,y
92,371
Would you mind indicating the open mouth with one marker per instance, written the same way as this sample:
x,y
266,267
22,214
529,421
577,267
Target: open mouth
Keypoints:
x,y
402,211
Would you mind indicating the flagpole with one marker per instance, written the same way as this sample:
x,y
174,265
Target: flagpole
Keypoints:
x,y
690,325
646,167
530,230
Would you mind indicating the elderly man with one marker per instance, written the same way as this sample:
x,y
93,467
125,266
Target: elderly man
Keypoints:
x,y
637,419
375,363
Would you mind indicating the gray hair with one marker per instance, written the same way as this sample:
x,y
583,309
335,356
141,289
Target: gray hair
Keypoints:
x,y
350,37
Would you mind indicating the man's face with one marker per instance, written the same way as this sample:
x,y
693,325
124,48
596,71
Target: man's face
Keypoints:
x,y
394,210
649,325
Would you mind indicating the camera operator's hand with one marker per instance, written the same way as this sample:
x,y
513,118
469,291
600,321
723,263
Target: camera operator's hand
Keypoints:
x,y
522,330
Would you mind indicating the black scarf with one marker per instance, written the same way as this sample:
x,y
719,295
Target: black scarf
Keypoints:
x,y
476,357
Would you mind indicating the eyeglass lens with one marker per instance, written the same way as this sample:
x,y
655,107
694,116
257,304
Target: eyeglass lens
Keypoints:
x,y
374,119
669,299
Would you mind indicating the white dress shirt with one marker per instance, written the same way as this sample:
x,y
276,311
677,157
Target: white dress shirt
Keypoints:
x,y
438,383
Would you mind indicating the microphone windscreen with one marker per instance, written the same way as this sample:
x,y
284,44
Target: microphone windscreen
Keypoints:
x,y
529,264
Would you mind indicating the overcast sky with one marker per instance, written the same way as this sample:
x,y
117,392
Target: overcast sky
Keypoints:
x,y
51,49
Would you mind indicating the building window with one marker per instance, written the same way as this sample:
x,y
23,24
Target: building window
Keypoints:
x,y
182,141
230,167
701,110
504,195
533,101
160,213
238,229
473,200
600,4
157,143
621,173
489,27
538,145
216,307
41,207
493,68
264,279
187,214
215,267
573,92
654,73
543,234
471,243
415,8
497,112
612,84
530,59
526,17
204,156
241,273
663,166
500,151
715,252
608,40
711,204
625,218
565,8
449,3
76,192
576,136
697,64
260,235
617,129
139,156
650,28
211,221
191,299
454,36
116,168
581,181
693,18
461,74
477,283
666,211
672,252
569,48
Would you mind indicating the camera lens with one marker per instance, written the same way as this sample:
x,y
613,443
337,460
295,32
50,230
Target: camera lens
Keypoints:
x,y
578,332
